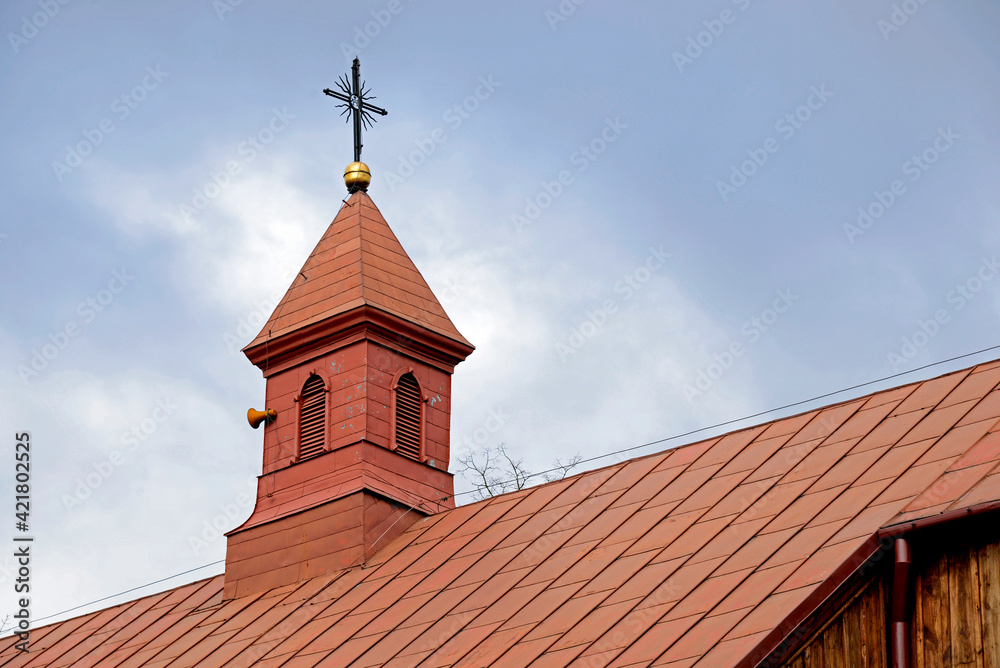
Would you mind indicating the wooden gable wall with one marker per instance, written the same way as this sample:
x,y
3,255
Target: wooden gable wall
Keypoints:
x,y
956,612
955,617
854,638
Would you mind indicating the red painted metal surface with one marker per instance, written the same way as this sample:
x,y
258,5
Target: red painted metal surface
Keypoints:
x,y
709,554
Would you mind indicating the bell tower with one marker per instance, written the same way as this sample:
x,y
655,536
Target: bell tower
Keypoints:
x,y
358,358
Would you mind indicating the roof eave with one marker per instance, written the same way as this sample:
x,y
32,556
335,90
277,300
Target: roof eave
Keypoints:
x,y
273,355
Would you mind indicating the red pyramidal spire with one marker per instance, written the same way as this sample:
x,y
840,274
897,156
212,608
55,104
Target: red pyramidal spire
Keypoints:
x,y
358,262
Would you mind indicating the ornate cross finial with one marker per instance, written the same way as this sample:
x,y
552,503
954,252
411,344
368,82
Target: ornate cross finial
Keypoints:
x,y
354,97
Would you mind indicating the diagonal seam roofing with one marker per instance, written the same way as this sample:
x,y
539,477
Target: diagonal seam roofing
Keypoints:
x,y
357,262
695,555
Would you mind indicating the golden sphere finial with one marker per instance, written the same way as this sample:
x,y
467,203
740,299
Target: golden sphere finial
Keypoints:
x,y
357,176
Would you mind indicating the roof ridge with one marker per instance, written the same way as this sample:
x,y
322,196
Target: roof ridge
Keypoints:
x,y
362,195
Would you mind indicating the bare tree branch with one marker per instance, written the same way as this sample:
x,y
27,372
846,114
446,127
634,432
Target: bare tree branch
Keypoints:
x,y
563,468
516,468
495,470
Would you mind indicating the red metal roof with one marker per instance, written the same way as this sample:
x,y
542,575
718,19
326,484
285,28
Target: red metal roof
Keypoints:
x,y
358,262
691,557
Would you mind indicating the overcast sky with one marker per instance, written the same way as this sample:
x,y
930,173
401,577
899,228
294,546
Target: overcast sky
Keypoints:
x,y
649,217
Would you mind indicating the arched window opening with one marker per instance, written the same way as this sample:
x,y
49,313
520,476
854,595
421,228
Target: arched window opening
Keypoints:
x,y
312,421
407,434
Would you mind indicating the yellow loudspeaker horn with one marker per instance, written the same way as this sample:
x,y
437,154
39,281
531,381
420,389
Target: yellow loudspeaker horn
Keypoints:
x,y
255,417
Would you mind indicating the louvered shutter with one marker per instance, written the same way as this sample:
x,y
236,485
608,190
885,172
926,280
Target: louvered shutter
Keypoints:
x,y
408,417
312,423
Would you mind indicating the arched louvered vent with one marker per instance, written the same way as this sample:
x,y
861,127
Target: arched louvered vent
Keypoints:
x,y
408,417
312,422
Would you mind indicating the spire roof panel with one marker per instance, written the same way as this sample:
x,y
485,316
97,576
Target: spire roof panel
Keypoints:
x,y
358,262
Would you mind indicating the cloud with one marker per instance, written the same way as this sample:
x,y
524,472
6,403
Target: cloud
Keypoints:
x,y
253,236
137,454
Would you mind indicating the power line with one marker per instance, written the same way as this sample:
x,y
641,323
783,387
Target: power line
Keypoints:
x,y
748,417
595,458
128,591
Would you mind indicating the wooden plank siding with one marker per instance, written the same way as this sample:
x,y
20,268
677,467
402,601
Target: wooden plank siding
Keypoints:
x,y
989,584
956,616
955,621
855,637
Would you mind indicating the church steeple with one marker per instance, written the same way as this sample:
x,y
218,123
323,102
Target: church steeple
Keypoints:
x,y
358,358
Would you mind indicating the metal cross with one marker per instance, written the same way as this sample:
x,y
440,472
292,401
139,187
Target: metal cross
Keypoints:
x,y
355,101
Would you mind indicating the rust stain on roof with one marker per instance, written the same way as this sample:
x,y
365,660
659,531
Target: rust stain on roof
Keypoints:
x,y
689,557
